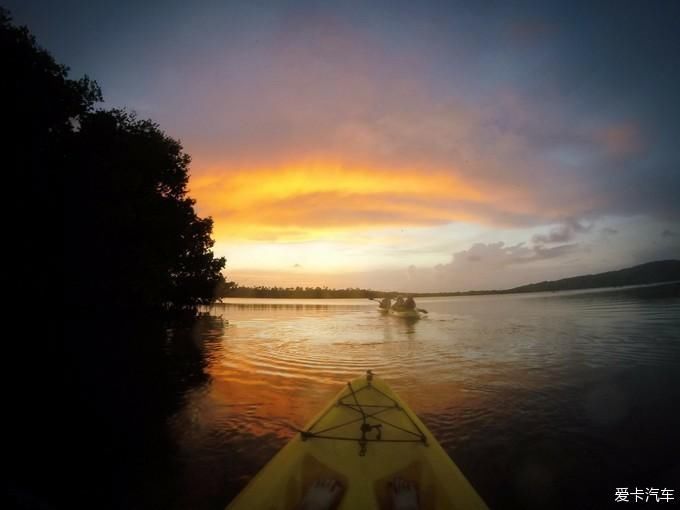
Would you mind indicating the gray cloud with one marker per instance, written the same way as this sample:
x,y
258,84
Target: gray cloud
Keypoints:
x,y
499,254
563,233
495,266
554,252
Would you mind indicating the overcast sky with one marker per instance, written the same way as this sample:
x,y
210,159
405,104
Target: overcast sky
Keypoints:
x,y
403,145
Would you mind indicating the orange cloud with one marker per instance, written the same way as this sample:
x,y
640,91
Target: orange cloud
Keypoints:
x,y
318,201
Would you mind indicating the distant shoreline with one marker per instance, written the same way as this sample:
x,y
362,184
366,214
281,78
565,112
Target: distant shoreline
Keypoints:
x,y
651,273
672,283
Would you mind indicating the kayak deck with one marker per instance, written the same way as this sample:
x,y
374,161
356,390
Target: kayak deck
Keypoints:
x,y
364,439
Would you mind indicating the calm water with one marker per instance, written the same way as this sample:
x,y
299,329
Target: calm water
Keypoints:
x,y
543,400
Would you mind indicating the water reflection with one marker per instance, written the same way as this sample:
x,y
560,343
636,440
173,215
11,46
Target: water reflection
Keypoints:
x,y
543,400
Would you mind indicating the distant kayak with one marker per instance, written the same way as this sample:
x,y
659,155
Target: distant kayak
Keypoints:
x,y
364,439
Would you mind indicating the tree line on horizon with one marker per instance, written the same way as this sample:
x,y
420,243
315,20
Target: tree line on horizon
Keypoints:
x,y
642,274
231,289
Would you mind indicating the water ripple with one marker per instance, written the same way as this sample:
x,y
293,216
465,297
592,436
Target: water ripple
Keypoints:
x,y
494,377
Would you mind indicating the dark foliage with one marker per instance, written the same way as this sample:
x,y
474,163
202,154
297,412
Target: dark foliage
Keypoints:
x,y
86,406
40,106
129,223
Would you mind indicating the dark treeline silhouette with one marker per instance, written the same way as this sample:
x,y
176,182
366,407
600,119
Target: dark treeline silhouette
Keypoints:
x,y
234,290
131,236
231,289
129,220
89,410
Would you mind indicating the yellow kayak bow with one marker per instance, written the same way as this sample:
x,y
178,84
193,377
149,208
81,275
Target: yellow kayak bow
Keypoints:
x,y
366,437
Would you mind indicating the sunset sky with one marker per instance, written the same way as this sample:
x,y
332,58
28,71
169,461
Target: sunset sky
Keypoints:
x,y
395,145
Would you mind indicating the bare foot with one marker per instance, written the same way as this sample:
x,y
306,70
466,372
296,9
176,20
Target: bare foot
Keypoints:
x,y
322,495
404,494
